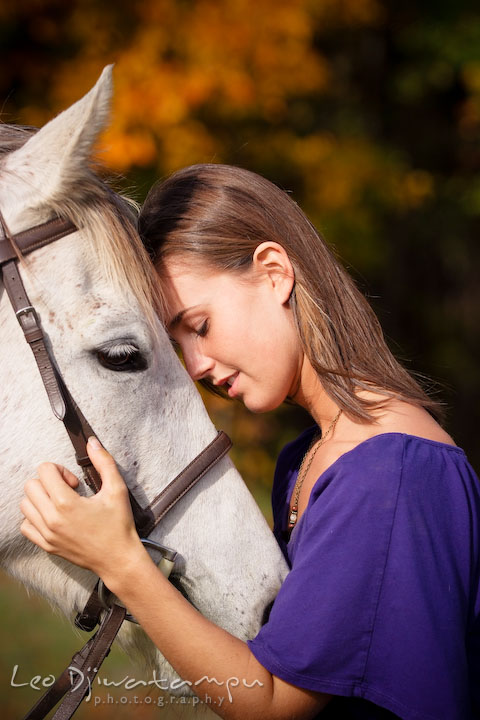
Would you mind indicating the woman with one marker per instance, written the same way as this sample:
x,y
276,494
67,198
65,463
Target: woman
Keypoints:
x,y
375,507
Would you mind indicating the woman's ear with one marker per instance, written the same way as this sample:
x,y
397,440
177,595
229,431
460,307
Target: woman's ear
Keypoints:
x,y
271,261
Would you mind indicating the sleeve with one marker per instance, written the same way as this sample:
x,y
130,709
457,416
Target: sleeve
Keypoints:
x,y
372,607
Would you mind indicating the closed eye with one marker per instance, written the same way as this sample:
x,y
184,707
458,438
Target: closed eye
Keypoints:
x,y
121,357
203,329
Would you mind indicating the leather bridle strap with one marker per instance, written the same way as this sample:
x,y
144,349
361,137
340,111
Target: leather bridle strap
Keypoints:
x,y
25,313
78,677
185,480
89,659
62,403
32,239
158,508
91,656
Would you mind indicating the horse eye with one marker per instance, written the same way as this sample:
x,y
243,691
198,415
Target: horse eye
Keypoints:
x,y
122,359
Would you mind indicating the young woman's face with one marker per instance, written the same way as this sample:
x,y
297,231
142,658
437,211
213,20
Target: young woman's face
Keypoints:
x,y
235,330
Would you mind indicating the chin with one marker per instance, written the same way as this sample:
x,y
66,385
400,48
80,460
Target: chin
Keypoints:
x,y
262,406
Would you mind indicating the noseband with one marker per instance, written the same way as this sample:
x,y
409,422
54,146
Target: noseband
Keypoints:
x,y
88,660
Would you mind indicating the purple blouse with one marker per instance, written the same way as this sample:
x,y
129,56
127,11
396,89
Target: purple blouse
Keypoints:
x,y
381,607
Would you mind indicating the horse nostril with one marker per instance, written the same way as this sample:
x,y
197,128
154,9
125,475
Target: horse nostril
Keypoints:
x,y
266,613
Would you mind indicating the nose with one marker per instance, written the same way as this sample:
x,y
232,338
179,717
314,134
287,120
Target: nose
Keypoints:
x,y
198,365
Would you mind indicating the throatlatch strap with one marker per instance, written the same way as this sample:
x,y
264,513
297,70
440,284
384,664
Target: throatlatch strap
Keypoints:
x,y
78,677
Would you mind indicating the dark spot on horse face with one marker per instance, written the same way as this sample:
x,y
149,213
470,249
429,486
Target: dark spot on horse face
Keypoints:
x,y
97,302
135,463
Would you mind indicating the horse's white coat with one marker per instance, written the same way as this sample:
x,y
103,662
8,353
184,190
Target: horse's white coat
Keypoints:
x,y
153,422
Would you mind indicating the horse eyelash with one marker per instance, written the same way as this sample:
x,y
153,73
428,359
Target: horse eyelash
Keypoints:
x,y
121,349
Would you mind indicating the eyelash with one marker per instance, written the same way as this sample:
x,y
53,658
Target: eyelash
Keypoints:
x,y
203,329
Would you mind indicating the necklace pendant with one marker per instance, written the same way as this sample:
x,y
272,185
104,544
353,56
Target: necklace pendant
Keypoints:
x,y
292,518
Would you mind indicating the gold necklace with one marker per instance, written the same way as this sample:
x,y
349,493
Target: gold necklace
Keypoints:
x,y
305,467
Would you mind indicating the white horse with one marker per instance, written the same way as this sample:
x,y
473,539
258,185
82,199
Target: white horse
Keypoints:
x,y
94,291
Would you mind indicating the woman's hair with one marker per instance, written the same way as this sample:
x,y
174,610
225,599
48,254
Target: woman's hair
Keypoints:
x,y
218,215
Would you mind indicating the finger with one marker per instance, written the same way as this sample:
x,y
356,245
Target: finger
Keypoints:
x,y
57,482
68,476
31,533
33,516
39,498
105,465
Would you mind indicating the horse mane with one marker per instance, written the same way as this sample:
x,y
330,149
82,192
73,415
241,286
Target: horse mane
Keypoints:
x,y
12,137
109,220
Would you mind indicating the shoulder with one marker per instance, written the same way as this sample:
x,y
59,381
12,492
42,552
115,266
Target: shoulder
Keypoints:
x,y
392,488
381,585
390,460
391,478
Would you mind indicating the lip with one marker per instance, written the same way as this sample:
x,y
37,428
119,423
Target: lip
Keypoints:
x,y
231,388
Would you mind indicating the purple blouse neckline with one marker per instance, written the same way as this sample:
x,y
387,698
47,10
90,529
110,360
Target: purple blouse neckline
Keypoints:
x,y
345,456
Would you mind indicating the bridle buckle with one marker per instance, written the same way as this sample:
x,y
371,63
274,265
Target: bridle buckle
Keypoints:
x,y
29,309
165,565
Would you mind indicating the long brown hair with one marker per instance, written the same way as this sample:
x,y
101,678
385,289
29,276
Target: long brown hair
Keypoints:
x,y
219,214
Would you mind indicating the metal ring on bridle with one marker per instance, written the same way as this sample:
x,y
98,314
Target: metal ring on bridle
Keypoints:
x,y
165,565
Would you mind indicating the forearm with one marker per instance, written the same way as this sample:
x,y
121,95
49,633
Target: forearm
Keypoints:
x,y
204,655
198,649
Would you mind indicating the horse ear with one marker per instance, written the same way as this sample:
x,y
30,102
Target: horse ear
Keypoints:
x,y
54,159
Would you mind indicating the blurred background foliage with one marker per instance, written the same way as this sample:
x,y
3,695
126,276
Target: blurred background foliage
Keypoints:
x,y
367,111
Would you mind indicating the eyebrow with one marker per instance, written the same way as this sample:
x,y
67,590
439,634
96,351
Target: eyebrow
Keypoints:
x,y
178,317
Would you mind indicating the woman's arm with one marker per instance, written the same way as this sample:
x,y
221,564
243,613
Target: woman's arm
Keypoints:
x,y
215,662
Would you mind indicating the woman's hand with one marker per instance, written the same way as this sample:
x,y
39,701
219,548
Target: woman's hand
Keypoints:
x,y
96,532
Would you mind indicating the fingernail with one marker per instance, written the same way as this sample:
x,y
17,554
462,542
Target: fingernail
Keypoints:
x,y
94,443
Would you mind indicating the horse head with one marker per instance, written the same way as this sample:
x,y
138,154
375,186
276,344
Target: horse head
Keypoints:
x,y
95,293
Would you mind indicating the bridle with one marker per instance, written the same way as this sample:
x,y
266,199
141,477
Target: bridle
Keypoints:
x,y
100,608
